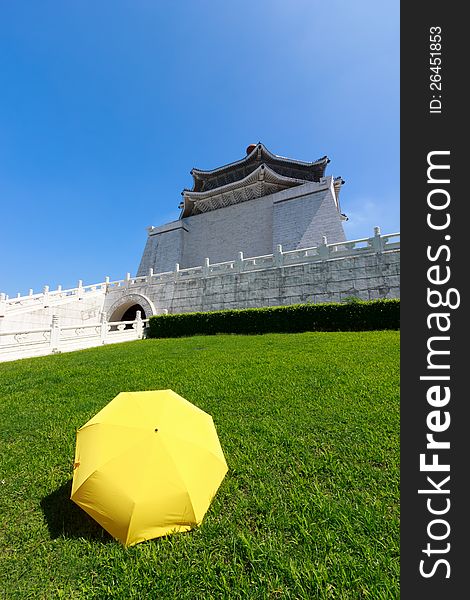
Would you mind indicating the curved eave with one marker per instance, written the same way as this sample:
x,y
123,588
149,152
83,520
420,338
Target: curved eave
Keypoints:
x,y
261,154
262,174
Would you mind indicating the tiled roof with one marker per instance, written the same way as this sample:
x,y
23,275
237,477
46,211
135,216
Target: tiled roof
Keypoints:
x,y
238,170
260,182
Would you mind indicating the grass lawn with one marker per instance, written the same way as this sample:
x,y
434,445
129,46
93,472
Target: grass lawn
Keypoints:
x,y
309,424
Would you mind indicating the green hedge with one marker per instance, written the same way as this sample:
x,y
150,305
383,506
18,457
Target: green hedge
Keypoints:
x,y
350,316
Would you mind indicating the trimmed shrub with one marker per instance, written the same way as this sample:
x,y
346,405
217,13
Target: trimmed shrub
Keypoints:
x,y
351,316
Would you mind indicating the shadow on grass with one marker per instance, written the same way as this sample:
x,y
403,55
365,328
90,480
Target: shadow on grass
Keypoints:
x,y
65,519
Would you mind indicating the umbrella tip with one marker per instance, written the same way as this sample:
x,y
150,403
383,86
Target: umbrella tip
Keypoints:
x,y
156,430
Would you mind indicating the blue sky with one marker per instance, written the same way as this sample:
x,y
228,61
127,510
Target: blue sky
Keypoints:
x,y
106,106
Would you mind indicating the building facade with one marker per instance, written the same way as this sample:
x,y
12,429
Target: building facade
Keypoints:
x,y
250,206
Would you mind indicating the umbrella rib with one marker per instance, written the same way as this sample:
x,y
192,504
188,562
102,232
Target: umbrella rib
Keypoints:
x,y
180,475
189,442
108,424
208,450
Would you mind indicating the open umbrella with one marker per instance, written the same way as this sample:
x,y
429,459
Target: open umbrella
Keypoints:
x,y
148,464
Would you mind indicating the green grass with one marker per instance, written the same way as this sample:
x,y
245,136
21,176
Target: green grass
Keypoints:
x,y
309,424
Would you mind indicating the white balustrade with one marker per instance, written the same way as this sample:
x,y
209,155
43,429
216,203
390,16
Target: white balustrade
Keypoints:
x,y
57,338
378,243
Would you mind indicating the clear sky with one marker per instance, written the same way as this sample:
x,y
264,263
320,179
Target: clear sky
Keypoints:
x,y
106,106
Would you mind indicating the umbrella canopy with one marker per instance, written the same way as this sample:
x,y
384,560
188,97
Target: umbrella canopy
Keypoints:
x,y
148,464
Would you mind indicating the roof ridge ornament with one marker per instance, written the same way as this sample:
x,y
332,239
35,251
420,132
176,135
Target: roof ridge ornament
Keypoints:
x,y
250,148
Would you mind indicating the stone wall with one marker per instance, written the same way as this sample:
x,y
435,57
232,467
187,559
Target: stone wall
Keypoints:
x,y
220,234
301,220
367,268
367,276
297,217
164,248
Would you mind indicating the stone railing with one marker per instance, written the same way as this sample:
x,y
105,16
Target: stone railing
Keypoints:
x,y
57,338
49,297
378,243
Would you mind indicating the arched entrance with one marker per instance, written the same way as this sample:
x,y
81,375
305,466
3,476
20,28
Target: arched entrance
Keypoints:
x,y
125,309
131,313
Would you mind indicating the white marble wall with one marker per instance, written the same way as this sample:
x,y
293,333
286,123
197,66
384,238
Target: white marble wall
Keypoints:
x,y
367,276
296,218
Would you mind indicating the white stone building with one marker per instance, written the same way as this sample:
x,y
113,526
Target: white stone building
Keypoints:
x,y
249,206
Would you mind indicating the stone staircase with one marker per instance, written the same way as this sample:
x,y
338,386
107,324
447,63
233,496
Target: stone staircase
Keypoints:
x,y
80,305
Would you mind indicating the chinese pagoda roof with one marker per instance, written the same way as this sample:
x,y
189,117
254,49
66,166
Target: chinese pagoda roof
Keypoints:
x,y
259,182
258,154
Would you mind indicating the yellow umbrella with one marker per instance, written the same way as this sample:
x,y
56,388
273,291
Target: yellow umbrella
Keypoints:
x,y
148,464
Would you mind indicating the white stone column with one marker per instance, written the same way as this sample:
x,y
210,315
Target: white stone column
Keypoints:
x,y
55,334
139,325
205,268
103,330
239,262
46,296
377,242
323,249
278,256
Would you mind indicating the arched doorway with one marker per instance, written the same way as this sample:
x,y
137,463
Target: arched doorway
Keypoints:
x,y
131,313
126,312
125,309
